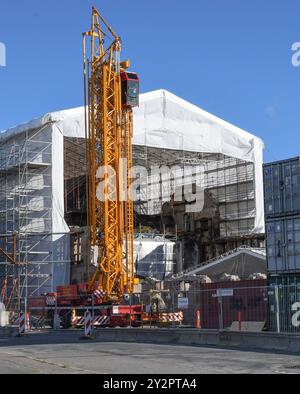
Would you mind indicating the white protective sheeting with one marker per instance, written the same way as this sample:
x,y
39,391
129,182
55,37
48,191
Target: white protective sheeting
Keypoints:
x,y
154,257
242,262
32,205
168,122
58,211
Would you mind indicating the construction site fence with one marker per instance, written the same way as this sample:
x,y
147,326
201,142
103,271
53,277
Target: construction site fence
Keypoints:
x,y
252,309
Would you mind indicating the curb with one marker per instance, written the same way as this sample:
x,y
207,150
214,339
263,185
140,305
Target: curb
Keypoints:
x,y
7,332
192,337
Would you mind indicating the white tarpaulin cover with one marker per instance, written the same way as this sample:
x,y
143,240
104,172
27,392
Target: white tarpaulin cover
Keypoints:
x,y
162,121
154,257
242,263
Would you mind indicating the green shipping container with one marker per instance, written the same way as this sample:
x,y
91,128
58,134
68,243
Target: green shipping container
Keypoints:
x,y
284,303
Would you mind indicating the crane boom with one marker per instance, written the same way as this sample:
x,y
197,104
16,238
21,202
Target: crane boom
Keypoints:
x,y
109,125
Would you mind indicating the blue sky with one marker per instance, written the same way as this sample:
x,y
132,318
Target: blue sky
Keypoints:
x,y
230,57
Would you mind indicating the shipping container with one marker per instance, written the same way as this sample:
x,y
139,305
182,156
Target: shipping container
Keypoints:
x,y
283,245
284,303
282,188
221,304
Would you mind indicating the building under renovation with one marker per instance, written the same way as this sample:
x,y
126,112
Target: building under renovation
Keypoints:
x,y
44,240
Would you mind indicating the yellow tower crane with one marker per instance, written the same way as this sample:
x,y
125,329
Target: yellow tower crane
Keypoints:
x,y
110,95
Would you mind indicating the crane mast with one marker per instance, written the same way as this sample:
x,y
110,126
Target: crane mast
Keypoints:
x,y
109,125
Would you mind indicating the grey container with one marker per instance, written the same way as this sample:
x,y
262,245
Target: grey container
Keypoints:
x,y
283,245
283,303
282,188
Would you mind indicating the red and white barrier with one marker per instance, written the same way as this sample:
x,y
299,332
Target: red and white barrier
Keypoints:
x,y
50,300
22,323
101,321
78,321
171,317
88,324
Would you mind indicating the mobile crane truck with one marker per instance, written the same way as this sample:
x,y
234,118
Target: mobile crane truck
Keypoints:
x,y
111,93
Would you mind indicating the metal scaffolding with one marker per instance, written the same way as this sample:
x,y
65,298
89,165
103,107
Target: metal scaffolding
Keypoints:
x,y
28,251
230,181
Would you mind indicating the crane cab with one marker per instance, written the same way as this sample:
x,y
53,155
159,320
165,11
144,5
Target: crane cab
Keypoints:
x,y
130,89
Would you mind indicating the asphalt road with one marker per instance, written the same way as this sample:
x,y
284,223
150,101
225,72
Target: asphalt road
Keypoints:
x,y
64,353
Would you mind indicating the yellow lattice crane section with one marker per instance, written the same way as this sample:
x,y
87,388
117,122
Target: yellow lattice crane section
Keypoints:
x,y
110,94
